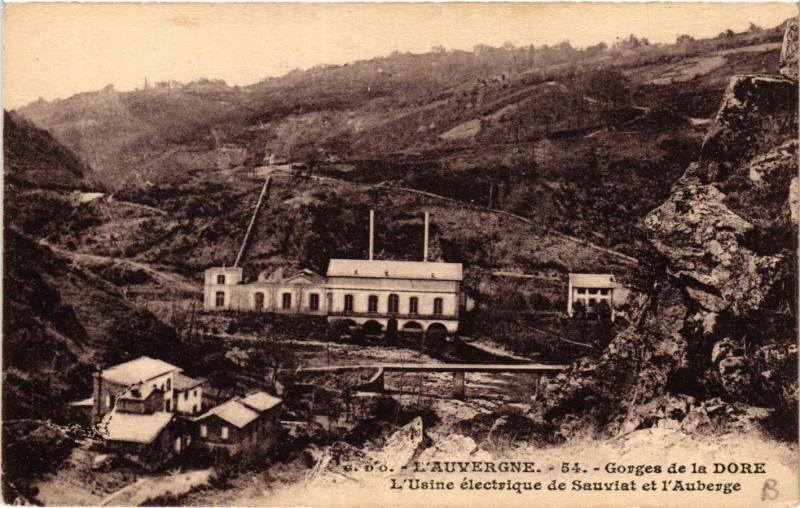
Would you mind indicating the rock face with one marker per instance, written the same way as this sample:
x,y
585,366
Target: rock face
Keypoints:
x,y
754,113
713,344
700,237
789,65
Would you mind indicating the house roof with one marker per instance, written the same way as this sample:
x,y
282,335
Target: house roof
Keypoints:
x,y
381,269
306,274
592,280
233,412
260,401
134,371
183,382
287,275
140,391
133,427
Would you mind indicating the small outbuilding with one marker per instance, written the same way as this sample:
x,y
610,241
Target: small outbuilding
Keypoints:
x,y
590,289
242,427
147,440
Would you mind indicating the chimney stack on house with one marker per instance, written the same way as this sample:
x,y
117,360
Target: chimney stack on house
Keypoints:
x,y
97,394
371,233
425,246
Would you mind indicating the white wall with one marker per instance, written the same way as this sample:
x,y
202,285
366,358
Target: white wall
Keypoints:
x,y
195,399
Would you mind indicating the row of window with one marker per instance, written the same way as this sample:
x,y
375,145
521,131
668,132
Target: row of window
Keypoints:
x,y
594,291
591,301
286,300
393,304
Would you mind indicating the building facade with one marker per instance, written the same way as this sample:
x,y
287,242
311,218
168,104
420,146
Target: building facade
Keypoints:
x,y
188,394
300,293
411,296
242,427
590,289
143,383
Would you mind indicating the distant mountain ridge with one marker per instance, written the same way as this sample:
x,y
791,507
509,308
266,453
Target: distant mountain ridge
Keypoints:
x,y
399,103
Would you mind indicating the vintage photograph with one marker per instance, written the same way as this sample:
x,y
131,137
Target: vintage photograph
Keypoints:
x,y
434,254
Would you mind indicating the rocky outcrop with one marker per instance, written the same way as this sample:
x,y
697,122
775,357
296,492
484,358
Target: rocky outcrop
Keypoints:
x,y
701,238
789,63
713,344
756,112
404,446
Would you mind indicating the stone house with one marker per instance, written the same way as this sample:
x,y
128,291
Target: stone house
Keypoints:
x,y
188,394
143,384
241,427
148,440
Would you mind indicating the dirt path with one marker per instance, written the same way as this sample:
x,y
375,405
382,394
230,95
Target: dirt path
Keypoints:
x,y
167,279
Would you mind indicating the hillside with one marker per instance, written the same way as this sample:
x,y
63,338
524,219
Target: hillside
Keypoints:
x,y
61,320
31,157
549,133
402,102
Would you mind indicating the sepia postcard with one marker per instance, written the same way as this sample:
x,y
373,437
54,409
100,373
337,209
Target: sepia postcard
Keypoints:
x,y
400,254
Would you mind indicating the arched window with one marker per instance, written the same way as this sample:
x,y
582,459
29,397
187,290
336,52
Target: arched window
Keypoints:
x,y
220,279
169,384
438,305
220,299
372,303
413,305
286,303
348,303
313,301
394,303
259,301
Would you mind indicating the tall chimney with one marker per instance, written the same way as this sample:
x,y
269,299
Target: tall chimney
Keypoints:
x,y
371,233
425,245
97,395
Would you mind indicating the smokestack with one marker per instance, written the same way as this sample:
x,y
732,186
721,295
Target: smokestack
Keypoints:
x,y
371,233
97,394
425,245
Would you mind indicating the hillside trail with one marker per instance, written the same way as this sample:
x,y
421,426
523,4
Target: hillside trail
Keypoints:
x,y
167,279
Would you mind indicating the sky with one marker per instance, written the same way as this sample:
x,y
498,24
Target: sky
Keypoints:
x,y
56,50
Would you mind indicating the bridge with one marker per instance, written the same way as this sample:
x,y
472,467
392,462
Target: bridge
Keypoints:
x,y
459,371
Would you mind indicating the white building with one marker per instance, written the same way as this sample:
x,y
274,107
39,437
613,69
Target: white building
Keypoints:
x,y
400,295
590,289
300,293
144,384
380,296
188,394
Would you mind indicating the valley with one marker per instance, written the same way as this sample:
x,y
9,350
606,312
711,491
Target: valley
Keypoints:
x,y
670,167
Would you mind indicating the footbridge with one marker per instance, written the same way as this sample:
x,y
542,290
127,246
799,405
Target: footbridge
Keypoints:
x,y
459,371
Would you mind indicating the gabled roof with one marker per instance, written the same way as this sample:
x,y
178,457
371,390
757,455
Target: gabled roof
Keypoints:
x,y
279,275
140,391
380,269
141,369
592,280
233,412
133,427
304,274
183,382
260,401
